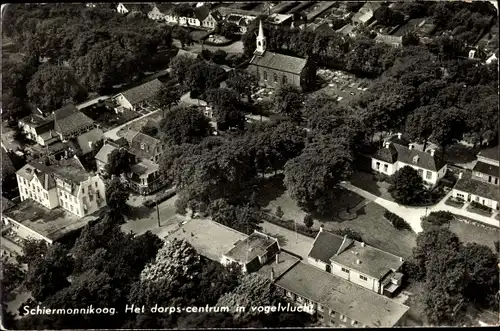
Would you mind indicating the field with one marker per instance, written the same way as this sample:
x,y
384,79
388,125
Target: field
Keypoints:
x,y
469,233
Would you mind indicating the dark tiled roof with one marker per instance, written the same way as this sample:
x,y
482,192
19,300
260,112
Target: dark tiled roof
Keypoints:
x,y
143,92
490,153
70,170
233,18
69,119
41,171
216,15
486,168
325,246
280,62
389,154
141,144
405,155
479,188
201,13
41,124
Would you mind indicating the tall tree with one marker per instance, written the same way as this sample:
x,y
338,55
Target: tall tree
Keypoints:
x,y
183,125
117,196
288,100
119,162
243,82
226,109
167,97
407,186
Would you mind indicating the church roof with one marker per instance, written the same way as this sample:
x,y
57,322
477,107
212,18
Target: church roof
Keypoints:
x,y
279,62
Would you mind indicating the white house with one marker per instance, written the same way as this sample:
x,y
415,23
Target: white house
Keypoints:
x,y
394,156
138,96
356,262
482,185
129,7
66,184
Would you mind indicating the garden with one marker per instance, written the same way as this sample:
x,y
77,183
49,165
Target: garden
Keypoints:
x,y
454,202
480,209
108,118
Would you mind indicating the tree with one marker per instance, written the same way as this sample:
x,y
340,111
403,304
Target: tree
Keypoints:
x,y
229,30
407,186
202,76
410,39
150,129
311,177
437,219
11,277
51,87
183,36
33,250
254,290
308,221
243,82
219,56
226,110
241,218
119,162
183,125
418,126
167,97
288,100
117,196
350,233
49,274
387,16
481,273
179,67
449,125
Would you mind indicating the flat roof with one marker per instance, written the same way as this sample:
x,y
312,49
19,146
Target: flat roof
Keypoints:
x,y
279,266
209,238
251,247
50,223
357,303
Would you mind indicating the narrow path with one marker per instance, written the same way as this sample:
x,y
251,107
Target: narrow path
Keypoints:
x,y
413,214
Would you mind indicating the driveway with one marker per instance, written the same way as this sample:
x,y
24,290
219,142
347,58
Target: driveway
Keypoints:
x,y
413,214
112,134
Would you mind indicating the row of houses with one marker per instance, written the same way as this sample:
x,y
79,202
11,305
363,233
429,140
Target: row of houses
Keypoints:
x,y
344,283
481,185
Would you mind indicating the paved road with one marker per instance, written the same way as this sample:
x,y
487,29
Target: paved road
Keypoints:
x,y
112,134
234,48
413,214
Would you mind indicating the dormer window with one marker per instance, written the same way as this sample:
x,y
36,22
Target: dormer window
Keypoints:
x,y
142,146
415,159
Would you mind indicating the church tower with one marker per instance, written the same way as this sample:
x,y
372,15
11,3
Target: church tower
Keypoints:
x,y
261,41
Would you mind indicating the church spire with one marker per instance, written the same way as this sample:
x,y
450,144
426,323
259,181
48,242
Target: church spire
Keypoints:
x,y
261,41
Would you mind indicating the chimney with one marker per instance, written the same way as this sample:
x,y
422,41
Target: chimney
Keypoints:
x,y
362,244
277,258
400,135
358,261
401,259
272,273
387,144
432,152
321,228
410,146
460,175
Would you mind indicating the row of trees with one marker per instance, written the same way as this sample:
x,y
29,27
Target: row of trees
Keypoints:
x,y
471,272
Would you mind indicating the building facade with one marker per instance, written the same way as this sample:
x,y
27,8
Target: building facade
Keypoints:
x,y
137,97
274,69
394,156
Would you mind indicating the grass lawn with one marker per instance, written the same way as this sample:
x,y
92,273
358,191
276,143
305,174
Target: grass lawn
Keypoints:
x,y
461,154
451,201
365,181
370,222
475,234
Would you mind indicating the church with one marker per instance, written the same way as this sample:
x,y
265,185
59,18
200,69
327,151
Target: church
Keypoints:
x,y
274,69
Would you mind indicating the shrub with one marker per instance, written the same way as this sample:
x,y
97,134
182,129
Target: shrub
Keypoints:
x,y
308,221
477,205
160,198
290,225
396,221
279,212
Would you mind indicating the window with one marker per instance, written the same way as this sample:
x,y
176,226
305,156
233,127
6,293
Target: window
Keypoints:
x,y
275,77
377,165
332,313
420,172
489,179
477,199
343,318
38,189
428,175
265,75
84,200
284,79
386,168
83,190
496,181
345,270
91,197
460,195
363,277
95,184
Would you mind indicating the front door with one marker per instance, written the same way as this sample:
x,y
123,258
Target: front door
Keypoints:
x,y
328,268
468,197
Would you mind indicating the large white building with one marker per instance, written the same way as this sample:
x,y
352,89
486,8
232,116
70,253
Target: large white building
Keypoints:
x,y
394,156
67,185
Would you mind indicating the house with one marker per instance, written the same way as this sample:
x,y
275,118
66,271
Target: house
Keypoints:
x,y
393,41
39,129
188,54
207,18
252,252
131,7
145,177
337,302
492,58
64,184
160,11
144,146
365,14
70,123
394,156
247,14
356,262
482,185
103,154
240,21
137,97
274,69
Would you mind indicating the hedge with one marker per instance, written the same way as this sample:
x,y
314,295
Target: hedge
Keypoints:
x,y
160,198
396,221
289,224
